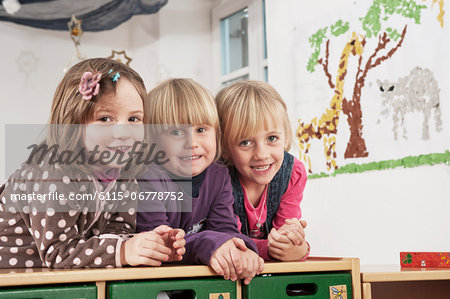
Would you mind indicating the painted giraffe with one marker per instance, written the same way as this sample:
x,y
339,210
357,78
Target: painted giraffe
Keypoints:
x,y
325,127
440,17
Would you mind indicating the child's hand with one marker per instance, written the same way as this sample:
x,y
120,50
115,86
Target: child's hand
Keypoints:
x,y
283,249
252,265
226,260
176,242
293,229
146,248
233,260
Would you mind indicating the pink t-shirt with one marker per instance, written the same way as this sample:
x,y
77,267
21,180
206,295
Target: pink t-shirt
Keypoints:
x,y
289,207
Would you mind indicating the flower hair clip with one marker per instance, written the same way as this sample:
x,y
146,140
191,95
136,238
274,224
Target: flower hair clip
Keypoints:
x,y
89,85
114,77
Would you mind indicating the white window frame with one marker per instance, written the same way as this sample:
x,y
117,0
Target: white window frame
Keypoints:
x,y
256,60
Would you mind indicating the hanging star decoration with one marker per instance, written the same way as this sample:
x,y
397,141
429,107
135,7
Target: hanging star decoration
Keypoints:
x,y
120,56
76,32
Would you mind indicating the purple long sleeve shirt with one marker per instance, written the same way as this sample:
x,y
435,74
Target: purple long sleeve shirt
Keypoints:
x,y
211,221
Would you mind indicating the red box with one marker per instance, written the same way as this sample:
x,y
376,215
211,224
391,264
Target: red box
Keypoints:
x,y
425,259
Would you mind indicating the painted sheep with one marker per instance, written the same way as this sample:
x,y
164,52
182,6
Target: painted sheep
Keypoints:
x,y
418,91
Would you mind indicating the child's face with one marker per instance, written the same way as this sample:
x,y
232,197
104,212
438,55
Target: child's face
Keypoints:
x,y
116,125
259,157
190,149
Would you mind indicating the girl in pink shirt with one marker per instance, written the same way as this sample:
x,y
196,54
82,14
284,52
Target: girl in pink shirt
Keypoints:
x,y
267,181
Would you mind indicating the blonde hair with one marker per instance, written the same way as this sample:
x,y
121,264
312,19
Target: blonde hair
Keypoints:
x,y
182,101
247,106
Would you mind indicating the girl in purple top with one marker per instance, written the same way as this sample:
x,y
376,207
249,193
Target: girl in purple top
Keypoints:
x,y
206,211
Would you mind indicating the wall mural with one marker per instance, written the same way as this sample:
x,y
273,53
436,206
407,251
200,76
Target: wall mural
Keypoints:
x,y
380,67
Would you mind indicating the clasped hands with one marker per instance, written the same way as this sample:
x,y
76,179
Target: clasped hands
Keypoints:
x,y
163,244
233,260
288,242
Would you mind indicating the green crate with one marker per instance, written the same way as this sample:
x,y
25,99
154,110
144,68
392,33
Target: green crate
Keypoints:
x,y
306,285
208,288
50,292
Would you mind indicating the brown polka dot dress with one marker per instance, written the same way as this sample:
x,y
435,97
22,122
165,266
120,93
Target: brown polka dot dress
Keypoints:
x,y
51,219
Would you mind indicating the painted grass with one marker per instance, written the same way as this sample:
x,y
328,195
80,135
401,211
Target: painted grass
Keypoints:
x,y
406,162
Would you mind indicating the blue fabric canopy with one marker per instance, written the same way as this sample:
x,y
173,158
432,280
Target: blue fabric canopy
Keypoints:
x,y
96,15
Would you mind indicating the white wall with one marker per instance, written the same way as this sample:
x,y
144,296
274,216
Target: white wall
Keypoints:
x,y
160,45
372,215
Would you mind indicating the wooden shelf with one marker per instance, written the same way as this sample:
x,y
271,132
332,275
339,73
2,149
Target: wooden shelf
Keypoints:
x,y
393,281
386,273
33,276
47,276
39,276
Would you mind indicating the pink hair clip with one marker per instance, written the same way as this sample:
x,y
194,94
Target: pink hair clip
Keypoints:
x,y
89,85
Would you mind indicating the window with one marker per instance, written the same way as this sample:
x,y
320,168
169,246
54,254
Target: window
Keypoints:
x,y
234,41
239,41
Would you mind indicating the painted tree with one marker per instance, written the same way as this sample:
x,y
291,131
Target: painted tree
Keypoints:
x,y
388,40
325,125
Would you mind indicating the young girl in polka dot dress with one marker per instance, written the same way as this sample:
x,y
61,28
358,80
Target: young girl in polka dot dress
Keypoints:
x,y
97,111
